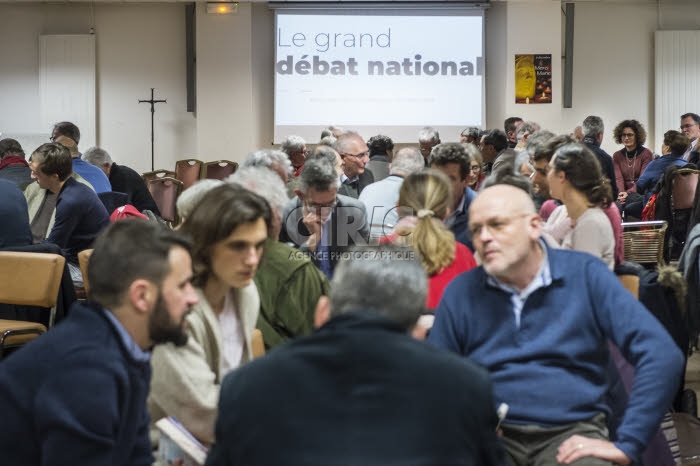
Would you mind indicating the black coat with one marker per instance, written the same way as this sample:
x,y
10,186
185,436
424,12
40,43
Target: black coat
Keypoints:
x,y
606,163
359,391
125,180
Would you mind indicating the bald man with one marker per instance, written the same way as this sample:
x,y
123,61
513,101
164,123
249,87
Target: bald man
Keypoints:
x,y
539,319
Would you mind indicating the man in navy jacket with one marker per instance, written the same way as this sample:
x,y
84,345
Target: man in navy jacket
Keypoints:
x,y
360,391
539,320
77,395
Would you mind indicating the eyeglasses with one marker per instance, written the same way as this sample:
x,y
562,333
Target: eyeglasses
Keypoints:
x,y
317,206
688,125
475,168
53,138
627,135
495,225
361,155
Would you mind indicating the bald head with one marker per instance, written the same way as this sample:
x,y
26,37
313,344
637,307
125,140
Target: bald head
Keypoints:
x,y
508,199
505,229
65,141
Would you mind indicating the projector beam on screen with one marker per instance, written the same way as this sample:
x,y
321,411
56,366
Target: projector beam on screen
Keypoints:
x,y
376,72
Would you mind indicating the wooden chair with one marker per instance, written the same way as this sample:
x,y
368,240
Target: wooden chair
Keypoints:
x,y
219,170
165,192
157,174
28,279
83,259
257,344
188,171
631,283
644,242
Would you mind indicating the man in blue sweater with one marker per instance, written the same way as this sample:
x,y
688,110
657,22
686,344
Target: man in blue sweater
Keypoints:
x,y
77,395
539,320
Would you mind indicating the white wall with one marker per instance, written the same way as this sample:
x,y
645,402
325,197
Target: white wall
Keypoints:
x,y
138,47
142,45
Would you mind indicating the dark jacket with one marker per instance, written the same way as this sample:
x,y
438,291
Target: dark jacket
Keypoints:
x,y
14,227
460,226
605,160
80,216
359,391
349,226
364,179
21,175
126,180
75,396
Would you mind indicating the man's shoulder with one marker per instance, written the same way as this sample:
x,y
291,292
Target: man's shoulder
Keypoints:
x,y
346,201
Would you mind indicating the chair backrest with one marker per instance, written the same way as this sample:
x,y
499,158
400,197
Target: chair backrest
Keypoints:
x,y
631,283
165,192
257,344
30,278
157,174
219,170
113,200
188,171
83,259
644,241
685,182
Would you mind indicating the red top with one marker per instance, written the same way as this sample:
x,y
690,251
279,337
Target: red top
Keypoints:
x,y
464,260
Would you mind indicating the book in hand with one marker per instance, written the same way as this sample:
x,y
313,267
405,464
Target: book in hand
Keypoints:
x,y
177,443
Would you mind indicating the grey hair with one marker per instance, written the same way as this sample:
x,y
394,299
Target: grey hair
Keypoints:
x,y
429,134
471,132
521,159
537,139
391,281
97,156
406,161
327,141
473,152
319,174
265,183
191,196
526,128
267,158
292,144
593,126
344,139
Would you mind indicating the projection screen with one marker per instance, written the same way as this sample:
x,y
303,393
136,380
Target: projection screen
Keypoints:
x,y
378,70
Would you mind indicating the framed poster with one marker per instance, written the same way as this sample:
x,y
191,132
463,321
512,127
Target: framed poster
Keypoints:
x,y
533,79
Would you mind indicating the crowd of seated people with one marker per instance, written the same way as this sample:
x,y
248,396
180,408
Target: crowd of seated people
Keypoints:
x,y
507,240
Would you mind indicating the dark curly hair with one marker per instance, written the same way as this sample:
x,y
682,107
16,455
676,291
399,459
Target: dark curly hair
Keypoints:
x,y
379,145
639,132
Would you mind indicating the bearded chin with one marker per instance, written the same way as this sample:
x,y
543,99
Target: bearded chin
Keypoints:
x,y
161,327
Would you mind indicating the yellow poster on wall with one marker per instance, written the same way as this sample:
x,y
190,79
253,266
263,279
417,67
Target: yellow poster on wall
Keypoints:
x,y
533,79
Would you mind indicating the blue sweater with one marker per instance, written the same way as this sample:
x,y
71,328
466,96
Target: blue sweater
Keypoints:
x,y
75,396
552,369
80,216
92,174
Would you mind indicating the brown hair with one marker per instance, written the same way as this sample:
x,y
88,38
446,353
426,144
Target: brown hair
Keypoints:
x,y
640,134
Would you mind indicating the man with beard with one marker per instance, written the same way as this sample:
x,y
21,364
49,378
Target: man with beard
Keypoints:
x,y
77,395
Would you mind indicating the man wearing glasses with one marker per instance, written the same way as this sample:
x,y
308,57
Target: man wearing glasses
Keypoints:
x,y
355,154
539,320
321,222
690,126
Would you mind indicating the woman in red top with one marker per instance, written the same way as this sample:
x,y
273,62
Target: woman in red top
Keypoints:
x,y
630,161
423,205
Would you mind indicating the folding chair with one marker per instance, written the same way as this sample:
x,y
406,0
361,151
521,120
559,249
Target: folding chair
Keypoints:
x,y
219,170
165,192
28,279
188,171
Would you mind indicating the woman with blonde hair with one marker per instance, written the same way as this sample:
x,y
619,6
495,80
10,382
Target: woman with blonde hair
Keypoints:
x,y
424,200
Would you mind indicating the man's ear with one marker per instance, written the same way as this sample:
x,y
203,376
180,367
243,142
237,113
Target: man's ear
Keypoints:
x,y
323,311
142,295
299,194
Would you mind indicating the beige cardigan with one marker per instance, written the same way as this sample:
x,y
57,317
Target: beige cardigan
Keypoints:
x,y
185,380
